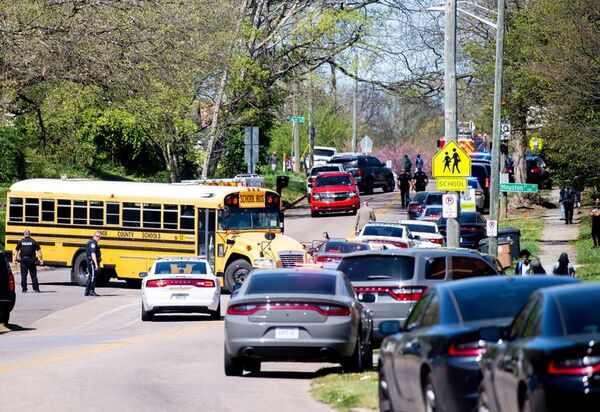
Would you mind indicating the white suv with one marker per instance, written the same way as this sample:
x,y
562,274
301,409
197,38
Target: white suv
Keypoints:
x,y
180,284
322,154
389,234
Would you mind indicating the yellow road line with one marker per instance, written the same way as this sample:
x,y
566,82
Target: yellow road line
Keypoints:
x,y
103,347
381,212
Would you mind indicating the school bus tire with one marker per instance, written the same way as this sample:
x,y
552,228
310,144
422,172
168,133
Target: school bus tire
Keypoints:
x,y
79,273
237,269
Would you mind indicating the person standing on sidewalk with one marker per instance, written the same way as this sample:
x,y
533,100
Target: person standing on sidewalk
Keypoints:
x,y
523,267
404,186
94,256
563,267
595,214
567,198
26,249
364,215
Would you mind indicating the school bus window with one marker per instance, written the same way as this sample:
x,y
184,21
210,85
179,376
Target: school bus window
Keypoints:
x,y
47,210
16,209
64,211
151,215
32,210
96,212
80,212
170,216
186,219
131,214
112,213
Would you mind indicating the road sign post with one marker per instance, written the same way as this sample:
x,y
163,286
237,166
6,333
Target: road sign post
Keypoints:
x,y
366,144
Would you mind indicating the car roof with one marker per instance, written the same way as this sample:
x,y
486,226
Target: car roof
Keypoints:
x,y
382,223
326,147
181,258
299,270
417,222
491,281
333,173
570,290
417,252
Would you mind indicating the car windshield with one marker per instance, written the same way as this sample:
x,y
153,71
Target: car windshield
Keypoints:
x,y
345,247
419,197
316,170
180,267
415,227
391,231
324,152
433,211
581,311
249,219
333,181
473,184
500,301
294,283
345,162
434,199
378,268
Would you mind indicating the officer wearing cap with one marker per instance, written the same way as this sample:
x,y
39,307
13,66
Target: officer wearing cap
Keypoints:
x,y
94,256
27,248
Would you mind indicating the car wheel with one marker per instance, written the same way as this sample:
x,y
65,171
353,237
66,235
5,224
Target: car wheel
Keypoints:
x,y
216,314
79,272
147,315
526,406
233,366
237,273
354,212
4,317
385,403
369,187
390,186
314,213
483,401
367,354
355,362
432,403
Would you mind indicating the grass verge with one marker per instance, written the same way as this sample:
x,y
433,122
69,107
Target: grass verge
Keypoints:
x,y
346,391
588,258
531,232
295,188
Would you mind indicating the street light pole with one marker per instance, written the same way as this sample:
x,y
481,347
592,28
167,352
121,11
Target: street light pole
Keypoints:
x,y
452,226
495,178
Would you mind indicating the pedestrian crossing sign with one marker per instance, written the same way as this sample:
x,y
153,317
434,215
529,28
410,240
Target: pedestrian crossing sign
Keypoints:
x,y
451,161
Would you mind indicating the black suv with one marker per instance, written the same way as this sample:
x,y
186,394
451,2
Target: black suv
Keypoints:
x,y
368,171
7,289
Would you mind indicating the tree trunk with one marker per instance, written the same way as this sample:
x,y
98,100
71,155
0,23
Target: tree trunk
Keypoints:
x,y
519,143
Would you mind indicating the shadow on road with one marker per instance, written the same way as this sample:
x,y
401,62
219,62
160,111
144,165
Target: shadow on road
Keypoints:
x,y
11,327
181,318
282,375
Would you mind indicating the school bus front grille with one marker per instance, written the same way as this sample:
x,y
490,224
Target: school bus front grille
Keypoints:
x,y
289,259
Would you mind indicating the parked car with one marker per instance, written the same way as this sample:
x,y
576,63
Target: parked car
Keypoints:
x,y
368,171
417,204
389,234
472,228
473,183
433,360
334,192
322,154
296,315
390,282
482,170
180,284
480,156
331,251
430,214
537,172
314,171
428,232
550,358
7,289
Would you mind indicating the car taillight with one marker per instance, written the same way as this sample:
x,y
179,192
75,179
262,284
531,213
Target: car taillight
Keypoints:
x,y
247,309
585,365
535,170
11,282
478,193
487,182
476,348
471,229
401,245
326,259
199,283
403,294
436,240
359,172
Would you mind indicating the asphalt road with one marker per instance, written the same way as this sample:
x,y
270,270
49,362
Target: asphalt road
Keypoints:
x,y
68,352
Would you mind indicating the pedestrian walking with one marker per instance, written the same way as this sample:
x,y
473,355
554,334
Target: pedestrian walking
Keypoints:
x,y
419,162
563,267
523,266
407,164
536,267
567,198
364,215
595,214
94,257
404,186
420,180
25,252
274,161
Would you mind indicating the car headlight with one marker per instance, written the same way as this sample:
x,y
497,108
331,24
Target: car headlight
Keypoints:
x,y
264,263
351,194
316,196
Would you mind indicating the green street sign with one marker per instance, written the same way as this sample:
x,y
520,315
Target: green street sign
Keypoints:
x,y
297,119
518,187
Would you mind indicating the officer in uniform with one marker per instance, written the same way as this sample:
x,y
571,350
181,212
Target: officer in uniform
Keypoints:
x,y
404,186
94,256
421,180
27,248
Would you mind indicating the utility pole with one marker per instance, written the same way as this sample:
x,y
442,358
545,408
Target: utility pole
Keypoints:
x,y
296,134
311,126
355,105
452,225
495,178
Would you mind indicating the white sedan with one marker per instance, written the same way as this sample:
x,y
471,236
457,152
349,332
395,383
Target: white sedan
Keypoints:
x,y
428,232
389,234
182,284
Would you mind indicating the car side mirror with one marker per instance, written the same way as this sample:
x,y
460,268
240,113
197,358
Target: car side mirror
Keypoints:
x,y
143,274
269,236
390,327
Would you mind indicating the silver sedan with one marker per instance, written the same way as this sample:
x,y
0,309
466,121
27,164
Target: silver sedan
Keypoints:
x,y
296,315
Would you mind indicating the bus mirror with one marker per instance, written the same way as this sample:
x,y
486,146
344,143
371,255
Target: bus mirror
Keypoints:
x,y
269,236
143,274
226,215
230,241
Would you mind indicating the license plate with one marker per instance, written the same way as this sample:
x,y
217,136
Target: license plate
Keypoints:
x,y
179,296
362,295
287,333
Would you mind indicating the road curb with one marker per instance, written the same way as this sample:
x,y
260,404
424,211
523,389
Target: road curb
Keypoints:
x,y
294,203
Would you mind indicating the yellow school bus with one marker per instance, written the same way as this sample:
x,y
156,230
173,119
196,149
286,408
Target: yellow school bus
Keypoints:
x,y
236,228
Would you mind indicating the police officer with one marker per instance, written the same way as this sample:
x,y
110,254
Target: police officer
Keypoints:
x,y
420,180
404,180
94,256
28,248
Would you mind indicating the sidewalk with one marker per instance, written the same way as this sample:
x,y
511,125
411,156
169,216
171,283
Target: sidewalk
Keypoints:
x,y
556,236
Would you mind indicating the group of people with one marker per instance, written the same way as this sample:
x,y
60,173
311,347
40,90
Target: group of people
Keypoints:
x,y
528,266
407,182
28,249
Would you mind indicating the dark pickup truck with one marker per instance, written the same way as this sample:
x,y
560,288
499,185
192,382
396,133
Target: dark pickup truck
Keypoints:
x,y
368,171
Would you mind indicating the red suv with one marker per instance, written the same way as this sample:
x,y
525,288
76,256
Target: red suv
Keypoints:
x,y
334,192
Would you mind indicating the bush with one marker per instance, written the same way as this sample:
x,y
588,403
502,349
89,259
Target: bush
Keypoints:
x,y
12,157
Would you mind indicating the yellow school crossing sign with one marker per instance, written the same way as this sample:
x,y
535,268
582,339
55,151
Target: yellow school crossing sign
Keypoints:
x,y
450,165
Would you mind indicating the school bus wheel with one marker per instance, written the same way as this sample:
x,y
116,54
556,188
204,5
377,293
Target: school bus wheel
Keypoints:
x,y
237,272
79,272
